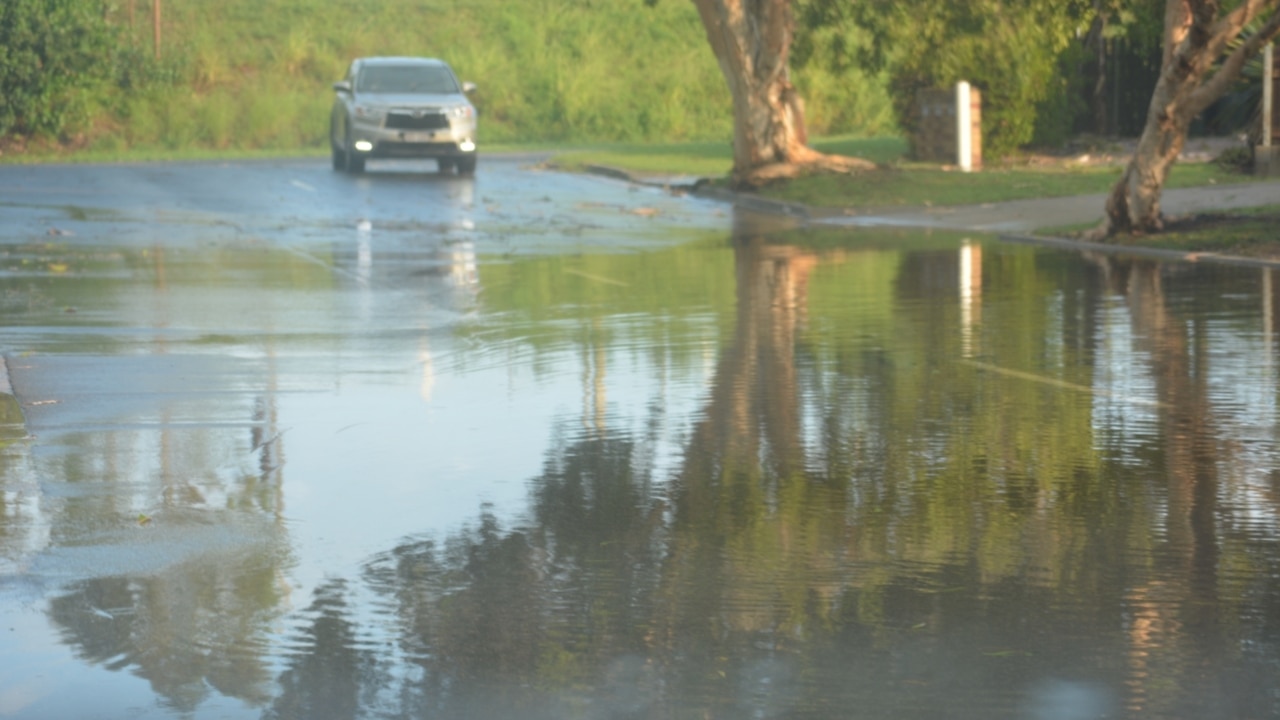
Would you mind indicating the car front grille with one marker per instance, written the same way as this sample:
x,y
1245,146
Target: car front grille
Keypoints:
x,y
414,149
417,120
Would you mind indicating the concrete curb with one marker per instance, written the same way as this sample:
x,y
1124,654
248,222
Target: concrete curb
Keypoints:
x,y
701,188
610,172
754,202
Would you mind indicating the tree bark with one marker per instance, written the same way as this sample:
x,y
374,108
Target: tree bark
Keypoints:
x,y
155,25
751,40
1198,67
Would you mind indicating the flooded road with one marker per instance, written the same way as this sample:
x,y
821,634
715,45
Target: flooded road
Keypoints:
x,y
302,445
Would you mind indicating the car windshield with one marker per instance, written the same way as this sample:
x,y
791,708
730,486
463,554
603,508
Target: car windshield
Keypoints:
x,y
406,79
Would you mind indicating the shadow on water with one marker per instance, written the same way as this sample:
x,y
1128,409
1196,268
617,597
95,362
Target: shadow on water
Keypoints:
x,y
961,481
891,504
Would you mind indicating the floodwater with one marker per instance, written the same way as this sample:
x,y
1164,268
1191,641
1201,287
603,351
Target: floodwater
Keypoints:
x,y
738,469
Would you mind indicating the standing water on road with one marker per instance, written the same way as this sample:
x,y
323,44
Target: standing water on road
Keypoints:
x,y
538,446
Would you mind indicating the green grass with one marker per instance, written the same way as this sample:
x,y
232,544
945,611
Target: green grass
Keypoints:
x,y
702,159
919,185
709,159
1240,232
1245,231
898,184
243,75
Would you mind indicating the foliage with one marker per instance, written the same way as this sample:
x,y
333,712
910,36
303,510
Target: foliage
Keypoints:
x,y
240,75
1241,107
1011,50
1236,159
51,61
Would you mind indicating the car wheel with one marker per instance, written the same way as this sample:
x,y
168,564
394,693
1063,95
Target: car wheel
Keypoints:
x,y
339,159
467,165
445,164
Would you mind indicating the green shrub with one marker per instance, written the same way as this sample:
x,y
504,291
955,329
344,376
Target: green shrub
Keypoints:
x,y
1013,51
1236,159
248,75
53,56
1011,57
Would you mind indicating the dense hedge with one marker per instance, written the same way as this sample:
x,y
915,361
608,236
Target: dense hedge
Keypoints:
x,y
54,55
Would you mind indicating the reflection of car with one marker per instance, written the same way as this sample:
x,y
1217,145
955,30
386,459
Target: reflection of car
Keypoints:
x,y
402,107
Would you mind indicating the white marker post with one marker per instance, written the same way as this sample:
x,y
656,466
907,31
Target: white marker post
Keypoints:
x,y
964,127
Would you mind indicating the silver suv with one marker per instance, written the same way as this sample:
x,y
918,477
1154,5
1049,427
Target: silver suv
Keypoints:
x,y
402,107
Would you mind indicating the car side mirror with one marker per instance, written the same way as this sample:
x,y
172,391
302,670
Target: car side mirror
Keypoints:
x,y
342,86
468,87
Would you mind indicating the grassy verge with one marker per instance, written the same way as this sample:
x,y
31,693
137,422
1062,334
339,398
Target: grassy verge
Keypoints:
x,y
709,159
899,184
1247,232
918,185
244,75
1250,232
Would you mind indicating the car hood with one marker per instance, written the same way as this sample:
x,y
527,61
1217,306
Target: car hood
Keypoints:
x,y
395,100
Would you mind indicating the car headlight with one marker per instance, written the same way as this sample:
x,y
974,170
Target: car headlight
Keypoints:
x,y
462,112
367,112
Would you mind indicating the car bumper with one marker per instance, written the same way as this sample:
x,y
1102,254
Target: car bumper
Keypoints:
x,y
457,140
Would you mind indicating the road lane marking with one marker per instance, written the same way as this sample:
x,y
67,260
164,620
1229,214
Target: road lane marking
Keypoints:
x,y
302,185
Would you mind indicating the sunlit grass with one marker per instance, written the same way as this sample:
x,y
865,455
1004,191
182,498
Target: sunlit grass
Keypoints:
x,y
918,185
708,159
1245,231
240,75
898,183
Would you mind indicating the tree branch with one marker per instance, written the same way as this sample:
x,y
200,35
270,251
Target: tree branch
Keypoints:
x,y
1244,14
1216,87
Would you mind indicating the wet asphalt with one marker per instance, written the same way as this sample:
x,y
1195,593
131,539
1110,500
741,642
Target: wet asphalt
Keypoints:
x,y
141,298
381,231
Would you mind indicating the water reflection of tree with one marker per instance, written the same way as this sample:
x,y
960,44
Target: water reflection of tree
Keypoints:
x,y
859,522
332,674
1175,610
186,630
516,622
199,624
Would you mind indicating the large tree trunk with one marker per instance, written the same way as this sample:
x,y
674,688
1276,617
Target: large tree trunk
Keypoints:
x,y
752,41
1197,35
